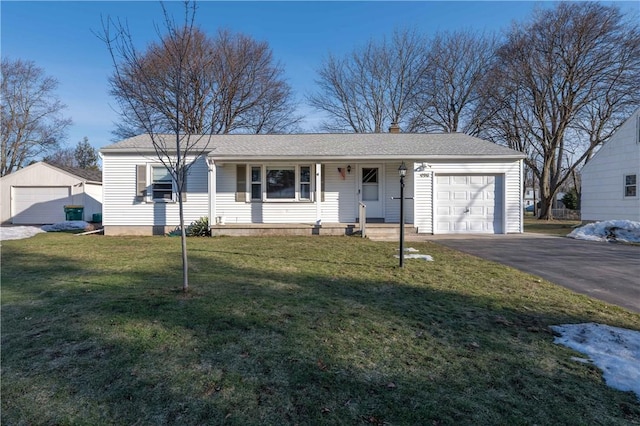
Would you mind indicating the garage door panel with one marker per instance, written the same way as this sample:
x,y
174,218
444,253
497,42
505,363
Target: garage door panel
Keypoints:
x,y
443,180
460,195
443,211
444,196
39,205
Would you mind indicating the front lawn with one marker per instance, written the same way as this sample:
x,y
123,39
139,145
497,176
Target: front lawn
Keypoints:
x,y
558,227
307,330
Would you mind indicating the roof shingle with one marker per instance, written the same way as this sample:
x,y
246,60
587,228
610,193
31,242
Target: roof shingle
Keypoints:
x,y
330,145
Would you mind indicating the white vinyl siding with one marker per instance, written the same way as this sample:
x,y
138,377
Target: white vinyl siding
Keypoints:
x,y
603,177
392,198
340,195
121,207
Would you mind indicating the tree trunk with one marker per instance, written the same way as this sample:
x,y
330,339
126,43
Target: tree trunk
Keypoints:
x,y
183,238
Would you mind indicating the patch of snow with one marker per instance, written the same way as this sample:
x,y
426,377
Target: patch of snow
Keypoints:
x,y
18,232
425,257
625,231
70,225
410,249
616,351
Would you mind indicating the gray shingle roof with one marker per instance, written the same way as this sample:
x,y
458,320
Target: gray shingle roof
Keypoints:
x,y
331,145
86,174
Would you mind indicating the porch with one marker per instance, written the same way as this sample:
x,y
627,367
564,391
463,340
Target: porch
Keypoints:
x,y
374,231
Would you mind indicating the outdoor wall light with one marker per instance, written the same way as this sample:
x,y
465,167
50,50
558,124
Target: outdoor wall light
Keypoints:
x,y
349,169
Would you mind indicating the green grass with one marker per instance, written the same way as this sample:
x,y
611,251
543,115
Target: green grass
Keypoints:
x,y
551,227
318,330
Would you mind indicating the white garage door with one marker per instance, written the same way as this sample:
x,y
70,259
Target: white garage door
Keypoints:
x,y
468,204
39,205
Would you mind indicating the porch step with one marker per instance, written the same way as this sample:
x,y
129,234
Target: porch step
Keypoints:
x,y
387,232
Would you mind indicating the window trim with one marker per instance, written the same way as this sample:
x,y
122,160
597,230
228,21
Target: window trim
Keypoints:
x,y
259,182
265,167
625,185
151,181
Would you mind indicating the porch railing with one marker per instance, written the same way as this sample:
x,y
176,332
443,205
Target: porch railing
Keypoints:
x,y
362,213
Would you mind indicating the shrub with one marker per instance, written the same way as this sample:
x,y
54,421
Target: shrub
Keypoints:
x,y
570,199
199,228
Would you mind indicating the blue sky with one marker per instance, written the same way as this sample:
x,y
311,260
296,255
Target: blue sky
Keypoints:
x,y
60,37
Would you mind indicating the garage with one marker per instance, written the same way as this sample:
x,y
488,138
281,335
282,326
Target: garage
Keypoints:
x,y
37,194
38,205
468,204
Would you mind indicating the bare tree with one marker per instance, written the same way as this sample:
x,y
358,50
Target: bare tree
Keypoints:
x,y
164,89
448,99
31,114
63,157
234,86
372,87
562,84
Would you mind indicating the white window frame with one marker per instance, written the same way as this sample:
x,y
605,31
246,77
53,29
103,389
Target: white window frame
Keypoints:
x,y
251,182
308,183
297,169
150,179
626,185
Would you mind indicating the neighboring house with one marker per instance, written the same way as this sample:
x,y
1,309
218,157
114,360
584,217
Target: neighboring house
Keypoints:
x,y
37,194
455,184
611,179
531,197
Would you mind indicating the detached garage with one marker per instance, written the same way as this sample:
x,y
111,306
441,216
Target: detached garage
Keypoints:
x,y
38,194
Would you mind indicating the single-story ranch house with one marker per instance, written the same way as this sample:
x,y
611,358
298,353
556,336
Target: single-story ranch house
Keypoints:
x,y
317,184
37,194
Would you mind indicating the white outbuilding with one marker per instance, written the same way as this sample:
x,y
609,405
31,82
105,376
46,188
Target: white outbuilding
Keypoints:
x,y
39,193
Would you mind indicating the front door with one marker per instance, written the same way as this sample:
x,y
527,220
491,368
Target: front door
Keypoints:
x,y
371,190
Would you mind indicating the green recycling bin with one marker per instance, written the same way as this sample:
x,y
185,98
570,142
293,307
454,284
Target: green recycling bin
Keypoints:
x,y
73,212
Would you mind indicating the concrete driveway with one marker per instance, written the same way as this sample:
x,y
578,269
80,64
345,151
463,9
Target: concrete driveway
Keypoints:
x,y
605,271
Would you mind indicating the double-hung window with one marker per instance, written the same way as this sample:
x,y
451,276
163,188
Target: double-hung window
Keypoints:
x,y
305,182
161,183
631,185
256,183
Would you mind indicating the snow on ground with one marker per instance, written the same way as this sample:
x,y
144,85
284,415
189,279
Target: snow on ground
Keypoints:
x,y
69,225
21,232
18,232
625,231
615,351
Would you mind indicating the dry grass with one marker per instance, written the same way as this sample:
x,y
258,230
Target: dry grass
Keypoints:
x,y
550,227
289,331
